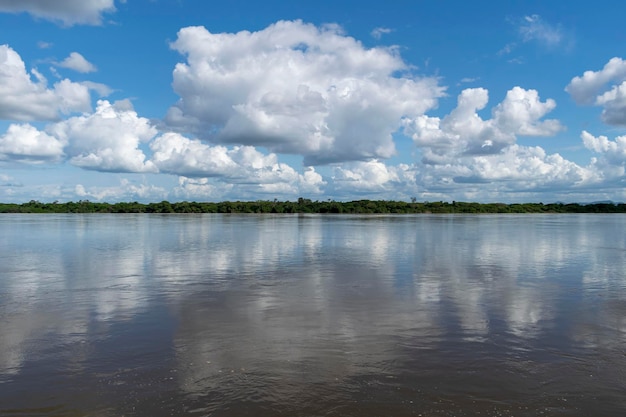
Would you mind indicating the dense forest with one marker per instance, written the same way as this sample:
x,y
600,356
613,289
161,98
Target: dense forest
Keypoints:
x,y
308,206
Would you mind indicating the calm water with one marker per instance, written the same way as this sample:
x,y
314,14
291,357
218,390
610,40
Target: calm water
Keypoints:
x,y
228,315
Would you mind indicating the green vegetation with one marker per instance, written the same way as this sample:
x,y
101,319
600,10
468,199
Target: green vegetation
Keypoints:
x,y
307,206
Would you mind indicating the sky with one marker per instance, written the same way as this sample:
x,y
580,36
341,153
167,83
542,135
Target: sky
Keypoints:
x,y
150,100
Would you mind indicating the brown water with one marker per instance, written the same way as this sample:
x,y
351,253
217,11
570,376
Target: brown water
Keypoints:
x,y
228,315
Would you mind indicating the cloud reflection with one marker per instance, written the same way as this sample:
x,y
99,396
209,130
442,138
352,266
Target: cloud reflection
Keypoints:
x,y
312,299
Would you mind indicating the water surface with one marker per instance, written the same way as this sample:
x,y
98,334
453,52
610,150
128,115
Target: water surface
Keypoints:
x,y
245,315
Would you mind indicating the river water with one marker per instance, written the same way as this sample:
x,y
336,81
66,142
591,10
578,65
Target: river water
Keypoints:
x,y
307,315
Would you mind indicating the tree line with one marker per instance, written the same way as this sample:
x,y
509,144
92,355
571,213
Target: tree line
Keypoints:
x,y
304,205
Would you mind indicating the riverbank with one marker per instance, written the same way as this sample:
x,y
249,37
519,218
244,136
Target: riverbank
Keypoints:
x,y
303,205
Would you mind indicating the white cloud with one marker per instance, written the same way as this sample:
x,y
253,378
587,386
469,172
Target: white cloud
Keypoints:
x,y
602,144
375,179
175,154
296,88
370,176
378,32
200,188
521,111
26,143
614,103
77,62
102,90
591,88
125,191
464,132
534,28
178,155
66,12
528,167
611,163
22,99
107,140
311,182
472,158
516,173
585,89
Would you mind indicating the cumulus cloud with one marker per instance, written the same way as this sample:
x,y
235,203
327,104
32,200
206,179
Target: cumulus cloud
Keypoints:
x,y
470,157
125,191
584,89
614,105
515,171
102,90
375,179
201,188
175,154
611,162
65,12
309,183
77,62
26,143
108,139
521,112
529,167
296,88
23,99
605,88
369,176
464,132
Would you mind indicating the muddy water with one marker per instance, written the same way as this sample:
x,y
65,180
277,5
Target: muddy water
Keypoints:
x,y
227,315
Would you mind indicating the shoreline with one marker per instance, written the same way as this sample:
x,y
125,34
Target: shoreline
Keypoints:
x,y
306,206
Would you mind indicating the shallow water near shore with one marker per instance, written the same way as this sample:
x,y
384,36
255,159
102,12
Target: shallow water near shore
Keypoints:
x,y
312,315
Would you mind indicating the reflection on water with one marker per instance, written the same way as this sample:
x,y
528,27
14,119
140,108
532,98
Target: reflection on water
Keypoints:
x,y
312,315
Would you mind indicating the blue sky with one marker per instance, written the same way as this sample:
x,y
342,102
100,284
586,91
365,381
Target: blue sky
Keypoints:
x,y
145,100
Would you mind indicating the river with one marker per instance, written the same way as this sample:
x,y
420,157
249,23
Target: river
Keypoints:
x,y
312,315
